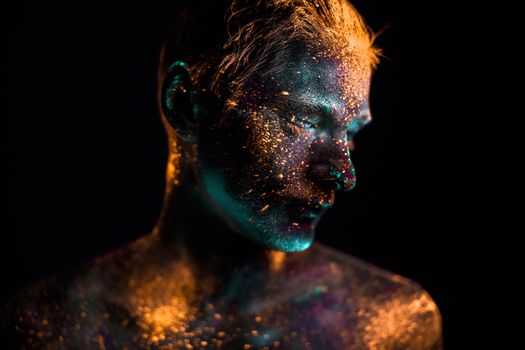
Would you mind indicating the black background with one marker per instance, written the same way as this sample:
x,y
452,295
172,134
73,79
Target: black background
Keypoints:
x,y
86,149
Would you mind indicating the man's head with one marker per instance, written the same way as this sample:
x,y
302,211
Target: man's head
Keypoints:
x,y
263,114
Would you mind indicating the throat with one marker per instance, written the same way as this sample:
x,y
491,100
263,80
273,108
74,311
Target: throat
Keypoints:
x,y
189,227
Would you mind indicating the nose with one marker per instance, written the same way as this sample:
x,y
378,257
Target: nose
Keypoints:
x,y
332,168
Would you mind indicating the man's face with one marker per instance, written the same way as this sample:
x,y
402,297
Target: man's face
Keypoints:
x,y
271,164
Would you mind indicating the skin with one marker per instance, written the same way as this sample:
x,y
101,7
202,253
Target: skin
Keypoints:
x,y
227,264
278,175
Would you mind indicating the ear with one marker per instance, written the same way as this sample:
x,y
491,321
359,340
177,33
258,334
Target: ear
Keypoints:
x,y
178,100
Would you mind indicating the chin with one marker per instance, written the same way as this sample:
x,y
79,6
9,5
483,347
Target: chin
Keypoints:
x,y
293,243
293,238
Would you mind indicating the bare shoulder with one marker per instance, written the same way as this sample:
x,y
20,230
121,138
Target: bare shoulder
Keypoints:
x,y
392,311
74,309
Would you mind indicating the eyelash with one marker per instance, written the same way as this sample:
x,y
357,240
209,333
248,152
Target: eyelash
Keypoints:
x,y
300,123
294,128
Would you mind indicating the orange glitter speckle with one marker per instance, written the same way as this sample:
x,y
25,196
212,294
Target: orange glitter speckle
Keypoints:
x,y
230,104
173,167
276,261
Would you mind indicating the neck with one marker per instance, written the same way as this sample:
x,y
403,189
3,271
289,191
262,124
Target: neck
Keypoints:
x,y
190,227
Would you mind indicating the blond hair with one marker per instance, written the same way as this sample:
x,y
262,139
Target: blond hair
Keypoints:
x,y
256,32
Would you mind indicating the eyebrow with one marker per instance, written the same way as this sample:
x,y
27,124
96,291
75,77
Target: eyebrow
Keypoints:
x,y
305,106
362,113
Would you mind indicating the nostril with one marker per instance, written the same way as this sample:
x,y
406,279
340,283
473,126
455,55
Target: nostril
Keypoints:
x,y
337,179
329,177
326,177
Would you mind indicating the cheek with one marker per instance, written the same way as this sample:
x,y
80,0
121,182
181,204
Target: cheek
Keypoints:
x,y
278,152
222,152
260,157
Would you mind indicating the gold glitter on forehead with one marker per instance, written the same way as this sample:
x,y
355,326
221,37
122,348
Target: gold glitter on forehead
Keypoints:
x,y
350,72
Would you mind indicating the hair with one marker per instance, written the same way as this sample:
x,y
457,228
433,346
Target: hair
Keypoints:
x,y
224,43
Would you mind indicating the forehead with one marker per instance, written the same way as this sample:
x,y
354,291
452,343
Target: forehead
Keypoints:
x,y
341,83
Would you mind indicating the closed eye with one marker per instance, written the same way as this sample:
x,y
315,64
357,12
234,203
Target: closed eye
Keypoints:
x,y
301,122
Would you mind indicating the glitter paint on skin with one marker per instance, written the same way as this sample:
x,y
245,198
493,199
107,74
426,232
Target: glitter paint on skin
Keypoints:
x,y
231,262
316,299
292,151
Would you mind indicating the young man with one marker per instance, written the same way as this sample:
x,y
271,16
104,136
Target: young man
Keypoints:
x,y
260,100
